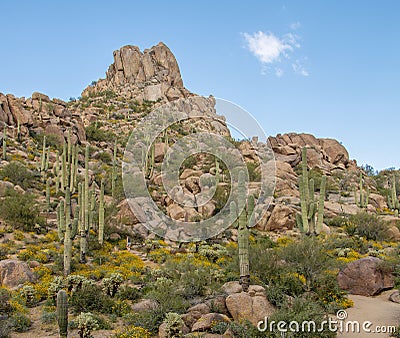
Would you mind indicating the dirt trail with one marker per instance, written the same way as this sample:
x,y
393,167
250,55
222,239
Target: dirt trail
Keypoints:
x,y
378,310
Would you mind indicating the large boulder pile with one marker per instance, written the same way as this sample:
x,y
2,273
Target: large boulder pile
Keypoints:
x,y
41,115
149,75
327,154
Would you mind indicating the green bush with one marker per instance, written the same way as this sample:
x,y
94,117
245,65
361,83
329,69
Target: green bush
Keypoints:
x,y
368,226
240,330
308,258
20,322
301,310
337,221
91,298
5,307
17,173
128,293
254,171
95,133
104,157
149,320
21,211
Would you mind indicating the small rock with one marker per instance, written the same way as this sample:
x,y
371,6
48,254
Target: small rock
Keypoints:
x,y
145,305
208,320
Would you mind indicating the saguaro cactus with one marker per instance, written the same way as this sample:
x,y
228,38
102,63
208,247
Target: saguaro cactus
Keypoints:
x,y
5,142
243,221
363,199
393,201
114,171
62,313
48,194
101,214
307,221
67,229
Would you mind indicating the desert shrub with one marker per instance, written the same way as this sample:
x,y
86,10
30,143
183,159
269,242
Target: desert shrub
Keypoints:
x,y
254,171
20,322
17,173
165,291
149,320
95,133
21,211
367,225
52,140
104,157
337,221
91,298
128,293
220,197
189,162
301,310
243,329
331,297
308,258
29,295
5,306
49,315
132,332
5,327
194,276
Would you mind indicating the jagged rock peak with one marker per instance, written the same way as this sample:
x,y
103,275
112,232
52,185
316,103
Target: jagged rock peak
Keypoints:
x,y
152,74
157,63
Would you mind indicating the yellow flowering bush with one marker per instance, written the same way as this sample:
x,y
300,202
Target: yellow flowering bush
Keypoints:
x,y
132,332
33,252
283,241
159,255
18,307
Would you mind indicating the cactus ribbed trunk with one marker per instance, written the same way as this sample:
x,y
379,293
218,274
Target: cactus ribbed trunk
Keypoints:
x,y
101,214
114,171
64,167
5,143
243,236
62,313
67,234
48,194
321,204
307,221
43,156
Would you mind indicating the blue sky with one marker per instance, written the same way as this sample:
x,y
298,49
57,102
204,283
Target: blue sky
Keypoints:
x,y
330,68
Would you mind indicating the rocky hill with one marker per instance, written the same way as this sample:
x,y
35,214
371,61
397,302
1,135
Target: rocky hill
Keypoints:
x,y
49,144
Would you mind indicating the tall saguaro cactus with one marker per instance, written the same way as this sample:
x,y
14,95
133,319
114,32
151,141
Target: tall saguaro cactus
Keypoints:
x,y
363,199
243,221
62,313
393,201
67,229
310,220
101,214
5,142
114,171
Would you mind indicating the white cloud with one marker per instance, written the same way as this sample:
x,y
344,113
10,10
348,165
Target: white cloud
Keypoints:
x,y
275,53
295,25
267,47
298,68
